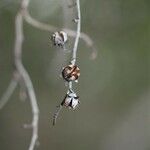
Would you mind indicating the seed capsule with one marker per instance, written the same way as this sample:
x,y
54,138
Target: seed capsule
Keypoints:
x,y
71,100
59,38
71,72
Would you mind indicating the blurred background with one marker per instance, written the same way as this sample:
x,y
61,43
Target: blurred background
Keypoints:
x,y
114,89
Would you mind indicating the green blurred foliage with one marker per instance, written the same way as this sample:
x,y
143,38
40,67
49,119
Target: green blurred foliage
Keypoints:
x,y
113,89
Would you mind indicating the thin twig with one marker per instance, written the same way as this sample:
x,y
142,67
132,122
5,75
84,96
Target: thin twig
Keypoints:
x,y
9,91
70,85
56,114
74,54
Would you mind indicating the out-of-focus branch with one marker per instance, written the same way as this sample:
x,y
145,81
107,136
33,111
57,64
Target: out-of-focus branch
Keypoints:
x,y
23,75
78,21
43,26
37,24
7,94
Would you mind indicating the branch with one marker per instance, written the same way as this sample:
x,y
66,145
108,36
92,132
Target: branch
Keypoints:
x,y
9,91
24,74
78,20
56,114
37,24
74,54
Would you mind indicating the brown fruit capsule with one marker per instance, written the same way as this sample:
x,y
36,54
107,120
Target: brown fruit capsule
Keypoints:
x,y
71,72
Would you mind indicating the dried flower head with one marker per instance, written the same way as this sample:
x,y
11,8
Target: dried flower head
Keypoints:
x,y
59,38
71,72
71,100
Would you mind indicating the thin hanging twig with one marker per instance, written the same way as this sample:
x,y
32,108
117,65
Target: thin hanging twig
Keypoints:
x,y
9,91
56,114
74,54
78,21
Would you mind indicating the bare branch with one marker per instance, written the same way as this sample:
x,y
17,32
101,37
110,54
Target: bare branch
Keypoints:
x,y
37,24
56,114
74,54
9,91
21,72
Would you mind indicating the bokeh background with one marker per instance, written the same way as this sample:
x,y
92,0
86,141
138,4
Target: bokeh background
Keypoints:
x,y
114,89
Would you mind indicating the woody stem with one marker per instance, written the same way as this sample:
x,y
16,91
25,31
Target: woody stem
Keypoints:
x,y
78,21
